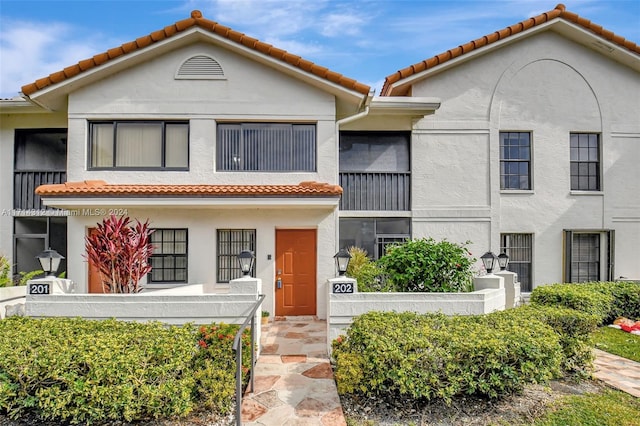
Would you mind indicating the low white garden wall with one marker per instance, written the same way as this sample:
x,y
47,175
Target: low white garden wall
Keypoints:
x,y
188,304
344,307
10,296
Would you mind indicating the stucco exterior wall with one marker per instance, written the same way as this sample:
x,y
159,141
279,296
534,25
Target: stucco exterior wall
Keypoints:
x,y
202,225
249,92
548,86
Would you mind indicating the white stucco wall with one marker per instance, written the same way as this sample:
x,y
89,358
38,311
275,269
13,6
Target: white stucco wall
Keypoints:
x,y
202,225
249,92
550,87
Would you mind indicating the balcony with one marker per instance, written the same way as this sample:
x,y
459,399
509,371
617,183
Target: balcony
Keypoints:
x,y
379,191
25,184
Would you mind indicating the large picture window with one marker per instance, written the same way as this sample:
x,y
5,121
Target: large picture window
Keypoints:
x,y
374,234
515,160
230,243
169,259
585,161
268,147
139,145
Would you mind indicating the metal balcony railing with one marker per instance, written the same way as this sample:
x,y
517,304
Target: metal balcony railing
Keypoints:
x,y
25,184
387,191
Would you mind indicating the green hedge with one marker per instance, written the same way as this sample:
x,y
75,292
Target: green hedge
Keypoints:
x,y
436,356
84,371
607,300
574,329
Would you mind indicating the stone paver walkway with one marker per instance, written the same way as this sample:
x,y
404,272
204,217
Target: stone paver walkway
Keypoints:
x,y
293,377
618,372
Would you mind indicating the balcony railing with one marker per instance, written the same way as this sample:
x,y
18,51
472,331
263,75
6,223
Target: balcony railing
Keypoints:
x,y
388,191
25,184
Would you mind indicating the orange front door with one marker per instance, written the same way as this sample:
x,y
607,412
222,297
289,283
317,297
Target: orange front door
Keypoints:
x,y
95,285
295,272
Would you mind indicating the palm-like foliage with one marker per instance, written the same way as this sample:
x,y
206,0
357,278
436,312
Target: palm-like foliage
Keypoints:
x,y
120,250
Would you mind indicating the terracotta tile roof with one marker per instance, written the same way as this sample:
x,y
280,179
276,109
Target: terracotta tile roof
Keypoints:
x,y
196,20
102,188
559,11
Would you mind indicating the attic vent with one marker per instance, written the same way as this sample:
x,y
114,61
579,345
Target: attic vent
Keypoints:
x,y
200,67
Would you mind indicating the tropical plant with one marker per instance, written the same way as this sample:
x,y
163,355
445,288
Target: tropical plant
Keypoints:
x,y
424,265
120,250
6,278
366,272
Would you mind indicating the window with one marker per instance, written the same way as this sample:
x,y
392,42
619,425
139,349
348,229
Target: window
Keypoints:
x,y
230,243
519,248
515,160
373,234
269,147
375,171
169,259
588,256
585,162
139,145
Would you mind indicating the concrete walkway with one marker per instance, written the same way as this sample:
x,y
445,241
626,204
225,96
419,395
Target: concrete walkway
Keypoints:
x,y
293,377
618,372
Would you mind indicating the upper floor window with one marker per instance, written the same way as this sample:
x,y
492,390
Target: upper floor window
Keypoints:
x,y
585,161
515,160
268,147
375,172
139,145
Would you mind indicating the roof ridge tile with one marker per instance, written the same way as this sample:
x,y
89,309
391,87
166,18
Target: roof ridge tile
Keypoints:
x,y
196,19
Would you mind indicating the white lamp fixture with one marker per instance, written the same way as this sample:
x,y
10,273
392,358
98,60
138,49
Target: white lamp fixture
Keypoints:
x,y
342,261
50,261
246,258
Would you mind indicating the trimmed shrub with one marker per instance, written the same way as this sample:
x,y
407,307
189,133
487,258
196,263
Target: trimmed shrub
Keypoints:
x,y
436,356
574,296
626,298
82,371
424,265
574,329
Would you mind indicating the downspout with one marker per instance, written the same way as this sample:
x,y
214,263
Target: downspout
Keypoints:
x,y
366,102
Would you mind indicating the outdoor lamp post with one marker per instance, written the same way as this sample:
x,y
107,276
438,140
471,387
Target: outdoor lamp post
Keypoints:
x,y
50,261
342,261
246,258
503,261
488,260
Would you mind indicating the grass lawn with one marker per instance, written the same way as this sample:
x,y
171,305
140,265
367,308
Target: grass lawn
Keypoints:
x,y
609,408
617,342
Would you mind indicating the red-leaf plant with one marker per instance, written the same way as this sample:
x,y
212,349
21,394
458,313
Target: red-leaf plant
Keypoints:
x,y
120,251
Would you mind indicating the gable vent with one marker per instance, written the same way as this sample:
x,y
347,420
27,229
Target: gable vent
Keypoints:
x,y
200,67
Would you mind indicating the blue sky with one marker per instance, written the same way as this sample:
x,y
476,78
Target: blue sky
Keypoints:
x,y
362,39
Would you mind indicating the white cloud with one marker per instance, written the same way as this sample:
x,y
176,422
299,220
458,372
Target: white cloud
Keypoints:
x,y
32,50
340,25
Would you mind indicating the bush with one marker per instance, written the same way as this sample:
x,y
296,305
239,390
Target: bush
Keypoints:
x,y
574,329
6,279
89,371
608,300
626,298
574,296
435,356
424,265
366,272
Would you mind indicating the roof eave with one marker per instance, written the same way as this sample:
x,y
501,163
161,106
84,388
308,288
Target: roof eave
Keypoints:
x,y
99,206
54,96
401,105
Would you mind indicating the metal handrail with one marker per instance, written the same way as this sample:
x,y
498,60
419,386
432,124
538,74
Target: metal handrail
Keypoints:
x,y
237,347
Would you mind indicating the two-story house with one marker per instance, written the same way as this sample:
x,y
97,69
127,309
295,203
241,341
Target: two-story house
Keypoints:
x,y
526,140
